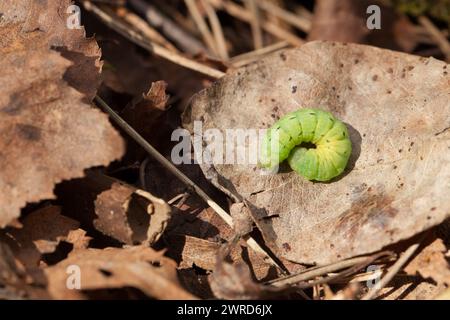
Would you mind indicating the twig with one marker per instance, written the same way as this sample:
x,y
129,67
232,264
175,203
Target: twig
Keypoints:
x,y
347,272
241,13
392,272
142,168
363,276
316,292
146,30
178,197
303,12
248,57
201,25
255,24
437,35
217,30
294,20
177,173
314,272
150,46
170,29
422,35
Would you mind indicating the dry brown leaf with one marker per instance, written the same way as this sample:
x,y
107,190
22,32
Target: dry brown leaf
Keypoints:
x,y
195,220
444,295
116,209
203,254
44,24
131,215
149,105
198,252
196,283
232,280
48,133
396,108
15,283
147,115
139,267
431,263
242,221
191,217
402,288
43,230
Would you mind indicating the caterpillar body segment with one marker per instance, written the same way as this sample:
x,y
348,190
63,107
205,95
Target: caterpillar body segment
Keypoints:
x,y
286,139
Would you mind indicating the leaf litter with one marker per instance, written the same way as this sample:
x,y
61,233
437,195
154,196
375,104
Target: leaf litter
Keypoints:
x,y
396,184
78,194
45,113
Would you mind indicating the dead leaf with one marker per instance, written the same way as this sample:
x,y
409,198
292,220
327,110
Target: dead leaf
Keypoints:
x,y
193,220
15,283
116,209
198,252
131,215
402,288
43,230
444,295
48,133
45,24
152,102
233,280
203,254
396,108
139,267
196,283
431,263
192,217
242,221
147,114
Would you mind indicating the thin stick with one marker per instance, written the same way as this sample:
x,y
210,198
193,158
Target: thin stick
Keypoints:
x,y
248,57
294,20
255,23
316,292
241,13
314,272
178,197
201,25
392,272
142,168
303,12
363,276
437,35
145,28
177,173
334,278
154,48
170,29
216,29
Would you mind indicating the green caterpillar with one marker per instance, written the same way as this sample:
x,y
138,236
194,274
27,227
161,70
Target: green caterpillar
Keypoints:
x,y
286,139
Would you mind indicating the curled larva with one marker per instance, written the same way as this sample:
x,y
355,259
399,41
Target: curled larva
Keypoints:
x,y
324,158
